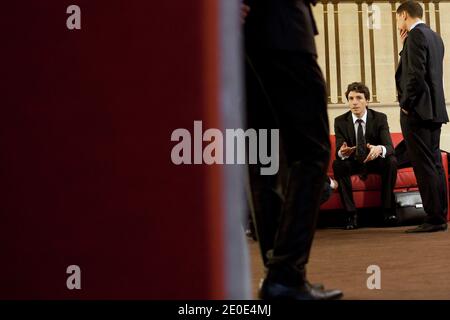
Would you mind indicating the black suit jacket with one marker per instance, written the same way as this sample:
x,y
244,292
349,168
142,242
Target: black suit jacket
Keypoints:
x,y
377,131
419,75
280,25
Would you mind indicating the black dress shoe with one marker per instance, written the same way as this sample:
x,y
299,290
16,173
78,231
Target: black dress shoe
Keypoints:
x,y
276,291
317,286
391,220
352,222
428,227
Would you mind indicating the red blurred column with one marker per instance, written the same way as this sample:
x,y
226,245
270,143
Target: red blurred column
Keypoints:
x,y
86,177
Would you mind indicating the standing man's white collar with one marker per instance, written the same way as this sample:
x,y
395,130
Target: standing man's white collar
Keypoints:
x,y
363,118
415,24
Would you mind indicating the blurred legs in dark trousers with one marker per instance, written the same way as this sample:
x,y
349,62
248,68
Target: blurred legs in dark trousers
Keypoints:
x,y
286,90
422,140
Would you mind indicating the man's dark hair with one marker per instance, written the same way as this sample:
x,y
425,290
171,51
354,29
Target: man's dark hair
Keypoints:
x,y
358,87
413,8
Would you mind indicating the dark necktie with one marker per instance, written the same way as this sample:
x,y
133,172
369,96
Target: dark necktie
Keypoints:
x,y
361,149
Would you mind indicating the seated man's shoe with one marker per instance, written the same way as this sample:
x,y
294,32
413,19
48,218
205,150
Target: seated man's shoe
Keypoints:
x,y
277,291
390,220
428,227
352,222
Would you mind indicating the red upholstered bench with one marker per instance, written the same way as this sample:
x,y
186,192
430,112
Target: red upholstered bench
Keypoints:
x,y
366,193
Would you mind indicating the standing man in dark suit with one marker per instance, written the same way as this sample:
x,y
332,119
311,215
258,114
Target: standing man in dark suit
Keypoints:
x,y
364,145
286,91
419,80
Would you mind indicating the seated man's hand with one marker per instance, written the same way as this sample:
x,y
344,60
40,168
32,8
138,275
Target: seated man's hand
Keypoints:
x,y
404,111
345,150
374,152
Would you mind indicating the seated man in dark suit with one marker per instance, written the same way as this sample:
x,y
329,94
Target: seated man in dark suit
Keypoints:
x,y
364,145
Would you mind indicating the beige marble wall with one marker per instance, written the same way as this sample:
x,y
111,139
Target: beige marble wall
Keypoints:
x,y
384,57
